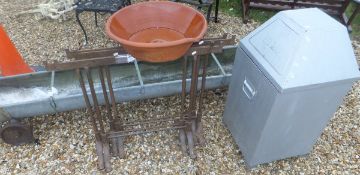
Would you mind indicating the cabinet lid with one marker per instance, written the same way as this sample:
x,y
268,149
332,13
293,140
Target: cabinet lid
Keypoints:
x,y
302,47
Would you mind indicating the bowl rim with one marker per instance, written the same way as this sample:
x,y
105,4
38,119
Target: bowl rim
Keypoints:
x,y
155,45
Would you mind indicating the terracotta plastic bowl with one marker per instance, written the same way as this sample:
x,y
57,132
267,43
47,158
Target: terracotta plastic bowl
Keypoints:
x,y
156,31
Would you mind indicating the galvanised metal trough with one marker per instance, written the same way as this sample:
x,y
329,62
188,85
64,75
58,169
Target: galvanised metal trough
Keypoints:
x,y
44,92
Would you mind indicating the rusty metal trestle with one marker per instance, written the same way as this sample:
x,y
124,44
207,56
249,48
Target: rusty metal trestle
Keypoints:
x,y
110,129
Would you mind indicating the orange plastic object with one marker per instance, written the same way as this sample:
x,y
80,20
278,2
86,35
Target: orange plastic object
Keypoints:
x,y
156,31
11,62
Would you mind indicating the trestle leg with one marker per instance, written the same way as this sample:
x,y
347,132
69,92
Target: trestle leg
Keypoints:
x,y
99,153
190,142
182,139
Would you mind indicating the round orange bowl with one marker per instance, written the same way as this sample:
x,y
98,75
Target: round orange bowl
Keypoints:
x,y
156,31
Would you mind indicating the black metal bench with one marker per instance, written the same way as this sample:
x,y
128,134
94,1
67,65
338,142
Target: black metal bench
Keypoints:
x,y
98,6
335,8
204,3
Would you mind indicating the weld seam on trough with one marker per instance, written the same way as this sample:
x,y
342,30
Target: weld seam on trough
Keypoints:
x,y
4,115
72,102
138,73
218,63
52,81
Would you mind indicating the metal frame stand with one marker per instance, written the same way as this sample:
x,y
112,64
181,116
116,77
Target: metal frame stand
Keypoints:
x,y
111,130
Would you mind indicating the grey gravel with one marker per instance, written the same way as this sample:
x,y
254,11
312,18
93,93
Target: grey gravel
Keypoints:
x,y
67,141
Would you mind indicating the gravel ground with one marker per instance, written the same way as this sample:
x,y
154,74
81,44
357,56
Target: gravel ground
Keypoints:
x,y
67,141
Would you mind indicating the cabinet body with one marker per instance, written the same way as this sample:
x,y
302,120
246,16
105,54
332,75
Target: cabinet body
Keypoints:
x,y
268,124
289,77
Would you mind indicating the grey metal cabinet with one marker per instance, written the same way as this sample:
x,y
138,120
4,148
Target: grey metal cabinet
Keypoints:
x,y
289,77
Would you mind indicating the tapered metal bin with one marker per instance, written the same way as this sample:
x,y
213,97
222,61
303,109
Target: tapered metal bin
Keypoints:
x,y
289,77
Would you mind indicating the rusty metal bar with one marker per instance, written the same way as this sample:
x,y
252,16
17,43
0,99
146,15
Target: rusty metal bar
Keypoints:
x,y
95,101
94,62
94,53
203,81
165,119
114,147
193,85
190,130
182,135
199,129
98,139
140,131
111,92
183,84
87,101
106,98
